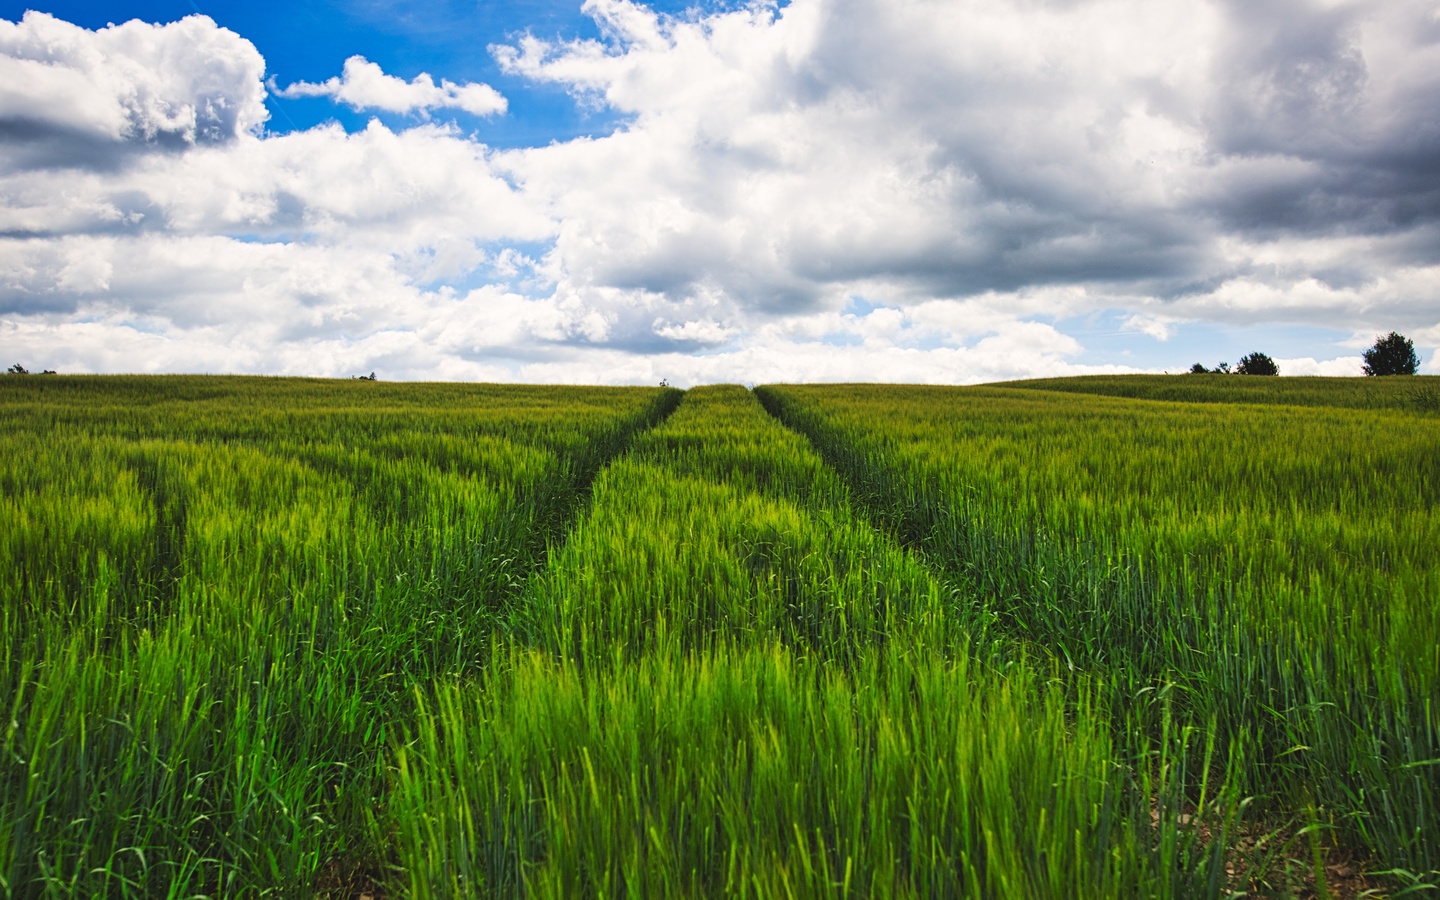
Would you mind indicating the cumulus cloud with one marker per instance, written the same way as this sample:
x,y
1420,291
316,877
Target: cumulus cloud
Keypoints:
x,y
422,186
1339,366
364,85
1154,154
188,82
830,190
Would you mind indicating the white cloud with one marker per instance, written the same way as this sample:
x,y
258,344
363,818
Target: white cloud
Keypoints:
x,y
189,80
1160,329
1339,366
423,189
927,150
364,85
700,331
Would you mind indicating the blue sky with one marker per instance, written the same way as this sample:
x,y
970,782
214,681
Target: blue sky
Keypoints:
x,y
816,190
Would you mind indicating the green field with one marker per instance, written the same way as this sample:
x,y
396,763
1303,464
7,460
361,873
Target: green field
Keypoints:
x,y
1114,637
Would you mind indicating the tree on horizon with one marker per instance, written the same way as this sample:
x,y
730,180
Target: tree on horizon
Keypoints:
x,y
1257,363
1392,354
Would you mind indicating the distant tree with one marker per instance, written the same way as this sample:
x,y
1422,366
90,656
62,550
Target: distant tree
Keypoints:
x,y
1392,354
17,369
1257,363
1222,368
1198,369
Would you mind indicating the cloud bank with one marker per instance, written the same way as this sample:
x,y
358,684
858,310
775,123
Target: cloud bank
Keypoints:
x,y
836,189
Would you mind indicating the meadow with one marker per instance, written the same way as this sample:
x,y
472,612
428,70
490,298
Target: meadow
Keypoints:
x,y
1088,638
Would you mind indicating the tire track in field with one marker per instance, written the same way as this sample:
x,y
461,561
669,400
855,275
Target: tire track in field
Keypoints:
x,y
724,525
629,737
576,497
167,567
999,583
984,639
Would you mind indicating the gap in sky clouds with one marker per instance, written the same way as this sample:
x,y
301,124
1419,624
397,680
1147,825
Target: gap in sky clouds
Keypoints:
x,y
619,192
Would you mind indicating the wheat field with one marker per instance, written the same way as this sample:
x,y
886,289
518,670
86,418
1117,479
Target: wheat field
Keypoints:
x,y
1115,637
